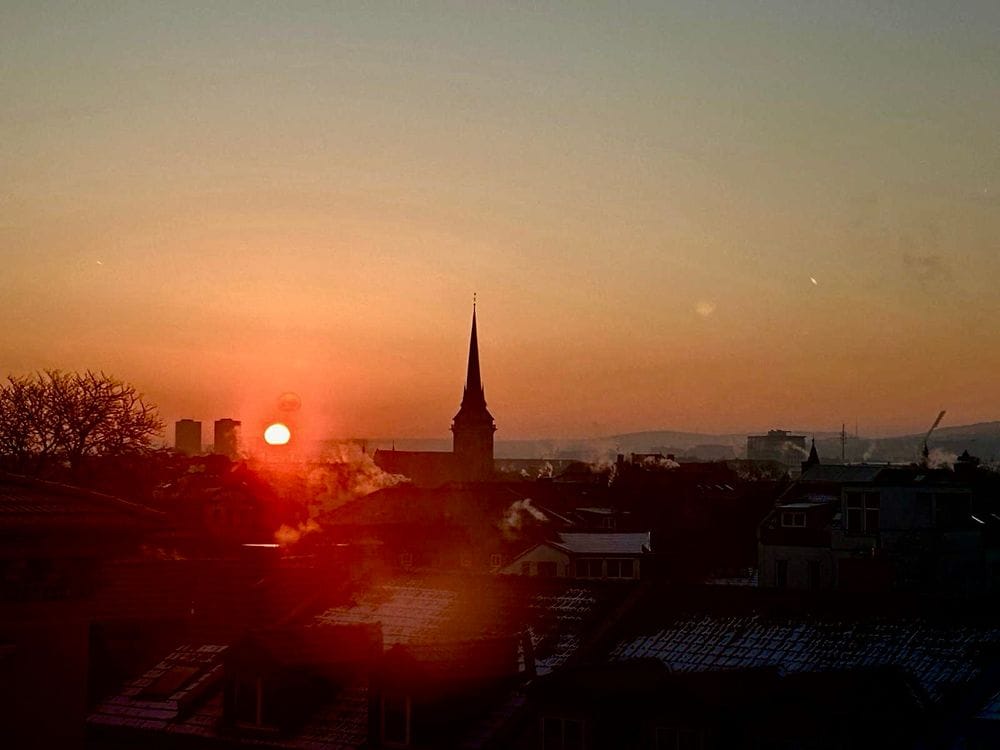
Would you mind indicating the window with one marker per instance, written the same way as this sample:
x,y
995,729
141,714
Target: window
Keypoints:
x,y
672,738
526,568
546,569
560,733
620,569
496,560
252,709
781,573
815,580
395,723
793,519
589,568
862,512
406,560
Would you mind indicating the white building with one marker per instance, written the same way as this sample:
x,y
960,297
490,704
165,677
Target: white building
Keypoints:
x,y
584,556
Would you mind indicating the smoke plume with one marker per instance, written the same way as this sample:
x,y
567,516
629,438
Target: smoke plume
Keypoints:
x,y
344,472
519,515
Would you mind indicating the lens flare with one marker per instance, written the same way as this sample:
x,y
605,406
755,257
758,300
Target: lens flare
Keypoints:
x,y
277,434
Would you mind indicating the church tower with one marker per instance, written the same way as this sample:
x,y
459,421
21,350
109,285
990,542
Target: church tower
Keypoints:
x,y
473,426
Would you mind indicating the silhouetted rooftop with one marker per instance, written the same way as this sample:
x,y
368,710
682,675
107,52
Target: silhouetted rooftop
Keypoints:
x,y
606,544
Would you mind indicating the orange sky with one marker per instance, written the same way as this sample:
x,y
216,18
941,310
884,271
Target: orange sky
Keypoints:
x,y
223,204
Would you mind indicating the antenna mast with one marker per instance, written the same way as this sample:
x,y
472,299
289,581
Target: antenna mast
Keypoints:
x,y
925,451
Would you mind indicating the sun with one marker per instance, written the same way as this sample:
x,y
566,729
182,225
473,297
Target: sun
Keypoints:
x,y
277,434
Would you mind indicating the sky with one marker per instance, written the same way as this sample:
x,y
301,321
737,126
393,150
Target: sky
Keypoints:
x,y
703,216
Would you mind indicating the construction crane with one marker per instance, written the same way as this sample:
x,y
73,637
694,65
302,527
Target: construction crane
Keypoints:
x,y
925,451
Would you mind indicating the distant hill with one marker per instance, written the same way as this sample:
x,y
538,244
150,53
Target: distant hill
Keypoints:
x,y
981,440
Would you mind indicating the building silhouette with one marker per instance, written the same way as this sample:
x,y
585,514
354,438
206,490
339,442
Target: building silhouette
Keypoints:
x,y
473,426
187,437
777,445
471,458
227,437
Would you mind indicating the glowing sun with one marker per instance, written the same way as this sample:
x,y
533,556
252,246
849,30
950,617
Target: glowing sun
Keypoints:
x,y
277,434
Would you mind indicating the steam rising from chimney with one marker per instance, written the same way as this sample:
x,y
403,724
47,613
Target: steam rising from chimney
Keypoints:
x,y
519,515
344,473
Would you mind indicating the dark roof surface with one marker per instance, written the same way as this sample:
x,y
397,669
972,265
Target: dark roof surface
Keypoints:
x,y
32,501
841,473
443,610
196,708
606,544
938,655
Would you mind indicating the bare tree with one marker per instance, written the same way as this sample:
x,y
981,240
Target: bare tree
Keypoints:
x,y
71,416
29,432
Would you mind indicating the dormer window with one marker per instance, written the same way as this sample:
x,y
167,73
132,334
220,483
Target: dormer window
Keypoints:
x,y
793,519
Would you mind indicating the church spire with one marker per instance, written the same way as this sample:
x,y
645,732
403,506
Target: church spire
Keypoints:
x,y
473,395
473,426
813,459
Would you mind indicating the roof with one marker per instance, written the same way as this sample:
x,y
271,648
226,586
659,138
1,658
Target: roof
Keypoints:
x,y
435,611
606,544
422,467
939,655
195,709
24,500
160,696
841,473
435,621
991,709
216,599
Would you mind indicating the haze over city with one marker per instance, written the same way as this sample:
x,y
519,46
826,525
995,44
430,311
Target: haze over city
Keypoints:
x,y
499,375
712,218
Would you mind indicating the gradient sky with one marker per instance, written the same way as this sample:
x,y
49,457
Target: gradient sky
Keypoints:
x,y
223,203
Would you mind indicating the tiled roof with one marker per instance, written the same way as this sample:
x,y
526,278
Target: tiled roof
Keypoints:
x,y
991,710
555,619
26,500
407,613
141,706
428,617
561,618
605,544
219,598
340,724
839,473
938,656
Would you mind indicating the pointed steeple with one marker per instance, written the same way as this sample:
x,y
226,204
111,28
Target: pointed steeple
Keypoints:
x,y
473,395
473,426
813,459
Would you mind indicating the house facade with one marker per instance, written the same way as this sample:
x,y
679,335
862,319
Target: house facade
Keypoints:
x,y
615,557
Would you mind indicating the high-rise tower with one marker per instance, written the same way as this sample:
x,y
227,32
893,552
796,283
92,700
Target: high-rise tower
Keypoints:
x,y
227,437
187,437
473,426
